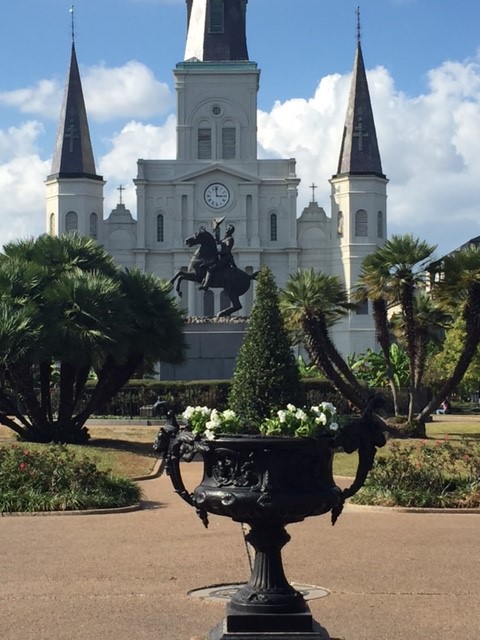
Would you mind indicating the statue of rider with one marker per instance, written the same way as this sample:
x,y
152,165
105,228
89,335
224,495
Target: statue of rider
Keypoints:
x,y
225,258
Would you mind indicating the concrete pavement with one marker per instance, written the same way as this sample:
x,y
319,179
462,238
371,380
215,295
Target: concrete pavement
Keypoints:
x,y
391,575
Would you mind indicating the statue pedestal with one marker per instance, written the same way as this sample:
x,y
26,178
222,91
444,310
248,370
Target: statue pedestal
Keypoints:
x,y
212,349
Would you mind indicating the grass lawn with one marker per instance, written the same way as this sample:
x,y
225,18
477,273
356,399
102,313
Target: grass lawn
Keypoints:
x,y
127,449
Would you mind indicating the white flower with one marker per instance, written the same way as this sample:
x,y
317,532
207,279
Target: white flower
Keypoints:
x,y
209,435
334,426
282,415
328,406
291,407
187,414
300,414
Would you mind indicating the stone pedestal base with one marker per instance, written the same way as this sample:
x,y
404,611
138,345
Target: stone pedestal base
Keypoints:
x,y
220,632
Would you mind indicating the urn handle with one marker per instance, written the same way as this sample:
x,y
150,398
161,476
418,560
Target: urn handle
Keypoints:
x,y
176,444
364,435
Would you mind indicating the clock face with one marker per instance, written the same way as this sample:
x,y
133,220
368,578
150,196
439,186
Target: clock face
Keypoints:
x,y
217,195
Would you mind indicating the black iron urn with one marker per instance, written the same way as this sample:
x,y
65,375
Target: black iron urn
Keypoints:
x,y
267,483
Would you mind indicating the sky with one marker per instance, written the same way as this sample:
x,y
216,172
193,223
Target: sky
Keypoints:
x,y
423,67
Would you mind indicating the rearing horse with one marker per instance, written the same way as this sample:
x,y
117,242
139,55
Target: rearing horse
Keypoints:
x,y
235,282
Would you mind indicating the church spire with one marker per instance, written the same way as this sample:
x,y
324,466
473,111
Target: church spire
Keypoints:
x,y
73,157
359,153
216,30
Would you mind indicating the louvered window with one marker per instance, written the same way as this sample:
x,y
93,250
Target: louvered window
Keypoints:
x,y
216,16
204,144
228,143
273,227
160,228
380,231
361,224
71,222
93,225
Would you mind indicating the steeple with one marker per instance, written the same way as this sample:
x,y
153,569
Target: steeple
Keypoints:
x,y
216,30
73,157
359,154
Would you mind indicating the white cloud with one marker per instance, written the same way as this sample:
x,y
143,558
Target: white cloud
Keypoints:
x,y
134,141
43,99
131,91
22,176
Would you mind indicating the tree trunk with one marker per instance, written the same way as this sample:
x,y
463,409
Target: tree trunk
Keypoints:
x,y
315,344
380,317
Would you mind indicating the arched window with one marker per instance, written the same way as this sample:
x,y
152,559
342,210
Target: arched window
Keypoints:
x,y
160,228
361,224
71,222
380,229
273,227
93,226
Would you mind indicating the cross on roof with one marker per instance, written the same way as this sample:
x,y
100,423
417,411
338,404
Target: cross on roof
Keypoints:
x,y
313,187
71,134
359,133
121,188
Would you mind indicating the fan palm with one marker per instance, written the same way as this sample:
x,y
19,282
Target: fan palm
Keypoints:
x,y
391,277
311,302
85,313
458,290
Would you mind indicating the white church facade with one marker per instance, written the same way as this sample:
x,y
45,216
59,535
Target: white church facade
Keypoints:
x,y
217,174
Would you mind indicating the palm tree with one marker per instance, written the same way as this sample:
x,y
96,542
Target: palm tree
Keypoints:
x,y
311,302
458,290
392,276
85,313
373,284
430,322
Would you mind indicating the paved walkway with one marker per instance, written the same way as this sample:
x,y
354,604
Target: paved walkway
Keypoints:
x,y
391,576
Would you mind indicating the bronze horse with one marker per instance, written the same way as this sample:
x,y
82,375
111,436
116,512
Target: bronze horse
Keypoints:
x,y
235,282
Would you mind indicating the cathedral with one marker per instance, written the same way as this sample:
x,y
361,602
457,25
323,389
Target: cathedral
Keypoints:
x,y
216,174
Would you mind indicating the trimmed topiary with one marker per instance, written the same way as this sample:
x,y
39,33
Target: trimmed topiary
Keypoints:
x,y
266,376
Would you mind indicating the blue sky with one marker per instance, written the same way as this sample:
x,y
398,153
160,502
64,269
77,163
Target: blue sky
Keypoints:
x,y
423,63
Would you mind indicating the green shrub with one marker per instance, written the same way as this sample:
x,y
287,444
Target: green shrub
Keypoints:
x,y
52,478
266,375
425,474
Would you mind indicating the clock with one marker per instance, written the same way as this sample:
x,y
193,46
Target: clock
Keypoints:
x,y
216,195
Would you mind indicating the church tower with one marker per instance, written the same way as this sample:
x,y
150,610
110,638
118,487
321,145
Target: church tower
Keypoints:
x,y
359,201
74,191
216,173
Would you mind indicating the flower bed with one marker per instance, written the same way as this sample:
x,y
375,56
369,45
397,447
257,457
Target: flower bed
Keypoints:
x,y
53,478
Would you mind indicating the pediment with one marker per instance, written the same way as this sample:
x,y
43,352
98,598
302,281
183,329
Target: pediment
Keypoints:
x,y
217,170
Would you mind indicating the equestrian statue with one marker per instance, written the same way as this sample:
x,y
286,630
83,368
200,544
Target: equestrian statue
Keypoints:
x,y
215,268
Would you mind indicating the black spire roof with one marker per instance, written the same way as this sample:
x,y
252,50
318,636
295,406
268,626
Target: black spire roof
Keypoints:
x,y
216,30
359,154
73,157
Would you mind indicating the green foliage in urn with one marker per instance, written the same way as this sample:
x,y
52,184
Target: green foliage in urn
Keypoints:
x,y
266,377
312,422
